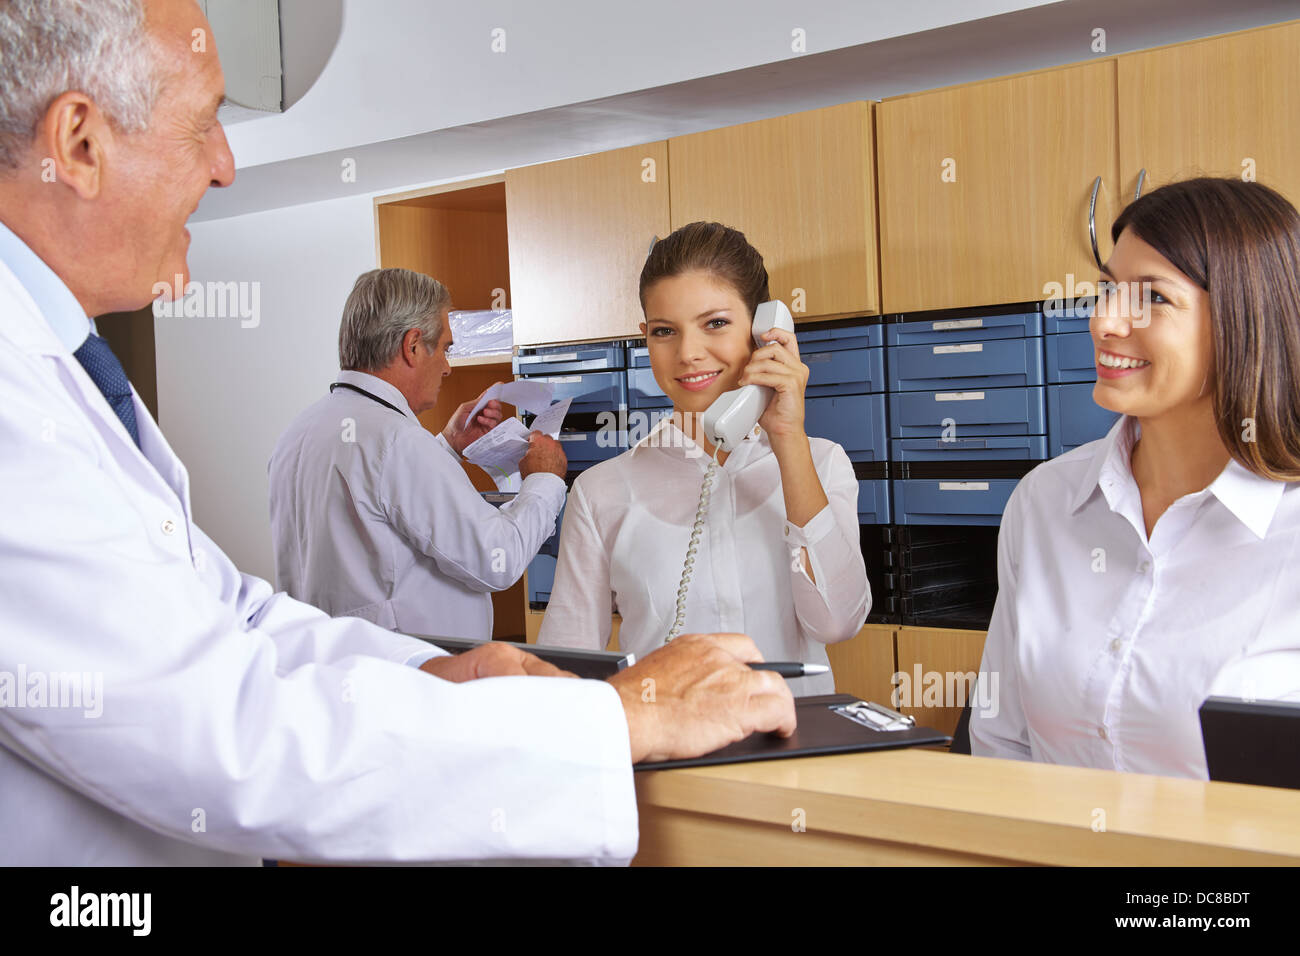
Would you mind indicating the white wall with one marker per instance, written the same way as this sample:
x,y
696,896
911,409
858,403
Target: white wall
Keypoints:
x,y
225,393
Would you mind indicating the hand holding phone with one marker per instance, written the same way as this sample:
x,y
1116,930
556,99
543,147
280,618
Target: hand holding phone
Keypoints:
x,y
733,414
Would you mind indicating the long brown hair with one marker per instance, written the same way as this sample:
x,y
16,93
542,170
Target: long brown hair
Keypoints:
x,y
1240,242
712,248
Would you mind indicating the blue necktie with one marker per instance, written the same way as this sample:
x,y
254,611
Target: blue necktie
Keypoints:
x,y
106,372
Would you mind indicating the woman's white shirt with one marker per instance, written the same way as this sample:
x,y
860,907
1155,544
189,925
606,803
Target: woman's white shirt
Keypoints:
x,y
625,533
1103,644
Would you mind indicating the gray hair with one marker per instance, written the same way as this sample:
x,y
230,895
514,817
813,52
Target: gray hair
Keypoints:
x,y
383,306
96,47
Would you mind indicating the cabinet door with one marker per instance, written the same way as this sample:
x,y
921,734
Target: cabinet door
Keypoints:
x,y
800,188
940,665
864,665
579,230
1226,106
984,188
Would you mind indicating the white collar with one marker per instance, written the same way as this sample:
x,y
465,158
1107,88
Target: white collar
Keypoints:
x,y
378,387
1251,498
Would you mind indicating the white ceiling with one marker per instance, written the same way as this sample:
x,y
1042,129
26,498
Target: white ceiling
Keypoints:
x,y
410,100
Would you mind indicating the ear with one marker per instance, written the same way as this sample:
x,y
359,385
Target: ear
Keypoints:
x,y
77,137
411,347
643,330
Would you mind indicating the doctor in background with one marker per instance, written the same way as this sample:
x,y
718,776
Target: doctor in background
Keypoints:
x,y
229,723
374,517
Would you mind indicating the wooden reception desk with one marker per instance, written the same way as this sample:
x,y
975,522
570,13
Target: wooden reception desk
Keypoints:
x,y
929,807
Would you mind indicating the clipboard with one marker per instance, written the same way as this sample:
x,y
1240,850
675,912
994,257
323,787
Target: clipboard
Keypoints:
x,y
822,730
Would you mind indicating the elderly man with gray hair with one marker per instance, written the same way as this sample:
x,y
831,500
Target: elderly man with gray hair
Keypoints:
x,y
372,515
216,722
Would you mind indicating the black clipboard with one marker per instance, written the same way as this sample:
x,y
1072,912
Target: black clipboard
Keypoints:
x,y
821,731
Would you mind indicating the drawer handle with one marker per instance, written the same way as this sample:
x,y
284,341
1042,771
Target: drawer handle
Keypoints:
x,y
1092,220
816,357
951,324
960,396
955,349
1142,178
963,486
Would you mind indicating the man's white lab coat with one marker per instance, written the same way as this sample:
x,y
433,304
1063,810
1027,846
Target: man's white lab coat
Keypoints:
x,y
235,723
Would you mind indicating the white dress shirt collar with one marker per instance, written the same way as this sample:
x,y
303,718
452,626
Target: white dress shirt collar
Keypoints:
x,y
1251,498
378,387
667,436
54,300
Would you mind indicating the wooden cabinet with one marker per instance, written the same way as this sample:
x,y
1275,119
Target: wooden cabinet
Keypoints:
x,y
801,189
1223,106
984,188
579,233
863,665
939,665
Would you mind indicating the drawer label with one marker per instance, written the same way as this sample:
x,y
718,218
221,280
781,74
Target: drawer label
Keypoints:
x,y
572,437
817,357
954,349
560,379
963,486
558,357
959,396
958,324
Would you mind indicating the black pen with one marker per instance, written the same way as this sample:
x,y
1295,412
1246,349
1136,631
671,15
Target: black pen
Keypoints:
x,y
790,668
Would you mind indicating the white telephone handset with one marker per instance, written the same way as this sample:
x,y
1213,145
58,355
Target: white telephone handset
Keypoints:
x,y
726,423
733,415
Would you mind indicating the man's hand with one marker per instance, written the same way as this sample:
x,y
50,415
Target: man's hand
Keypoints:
x,y
697,694
461,433
497,659
544,454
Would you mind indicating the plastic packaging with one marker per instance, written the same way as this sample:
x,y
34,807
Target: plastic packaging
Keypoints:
x,y
483,332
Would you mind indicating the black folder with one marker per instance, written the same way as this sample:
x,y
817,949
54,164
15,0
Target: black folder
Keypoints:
x,y
821,731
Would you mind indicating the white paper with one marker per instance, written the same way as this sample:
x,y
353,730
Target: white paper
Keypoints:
x,y
500,450
527,396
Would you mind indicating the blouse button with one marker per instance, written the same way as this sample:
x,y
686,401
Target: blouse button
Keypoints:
x,y
168,526
1144,567
787,531
1101,732
1115,645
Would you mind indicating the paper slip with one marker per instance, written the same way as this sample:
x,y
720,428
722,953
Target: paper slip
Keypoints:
x,y
526,396
500,450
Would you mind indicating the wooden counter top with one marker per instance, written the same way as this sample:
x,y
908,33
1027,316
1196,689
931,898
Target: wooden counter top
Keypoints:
x,y
928,807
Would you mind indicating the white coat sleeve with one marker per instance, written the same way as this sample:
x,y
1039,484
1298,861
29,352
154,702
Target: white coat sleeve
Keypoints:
x,y
201,720
288,622
579,613
1001,730
833,603
425,494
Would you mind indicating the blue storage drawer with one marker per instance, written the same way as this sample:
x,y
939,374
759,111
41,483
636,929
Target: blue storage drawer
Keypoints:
x,y
585,449
1074,419
843,371
856,422
966,366
1066,320
966,501
576,358
984,328
642,389
590,391
541,578
1009,448
1070,358
995,411
873,501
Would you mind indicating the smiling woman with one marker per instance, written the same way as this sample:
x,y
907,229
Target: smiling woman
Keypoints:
x,y
1144,572
772,533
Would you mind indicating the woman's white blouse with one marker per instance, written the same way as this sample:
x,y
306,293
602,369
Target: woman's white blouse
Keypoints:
x,y
625,532
1103,644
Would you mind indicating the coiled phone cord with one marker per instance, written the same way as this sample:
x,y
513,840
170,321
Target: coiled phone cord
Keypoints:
x,y
701,512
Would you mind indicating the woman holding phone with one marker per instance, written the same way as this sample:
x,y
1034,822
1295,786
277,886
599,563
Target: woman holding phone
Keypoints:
x,y
1144,572
777,555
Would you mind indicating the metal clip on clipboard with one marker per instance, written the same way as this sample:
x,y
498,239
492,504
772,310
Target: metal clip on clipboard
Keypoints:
x,y
873,715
